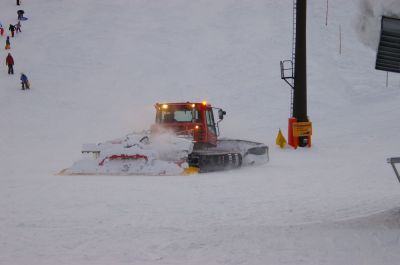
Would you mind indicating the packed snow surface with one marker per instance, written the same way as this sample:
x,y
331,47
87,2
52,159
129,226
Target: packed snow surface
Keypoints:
x,y
96,68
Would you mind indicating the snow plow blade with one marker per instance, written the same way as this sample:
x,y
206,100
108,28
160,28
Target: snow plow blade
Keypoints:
x,y
136,154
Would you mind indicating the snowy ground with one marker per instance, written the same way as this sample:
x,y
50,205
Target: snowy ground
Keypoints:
x,y
96,69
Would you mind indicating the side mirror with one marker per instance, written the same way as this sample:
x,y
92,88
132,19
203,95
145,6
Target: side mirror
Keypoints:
x,y
221,114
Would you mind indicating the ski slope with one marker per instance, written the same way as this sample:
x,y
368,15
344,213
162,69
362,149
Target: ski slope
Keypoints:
x,y
97,67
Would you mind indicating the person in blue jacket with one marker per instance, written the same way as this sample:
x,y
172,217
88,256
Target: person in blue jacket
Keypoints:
x,y
20,14
24,81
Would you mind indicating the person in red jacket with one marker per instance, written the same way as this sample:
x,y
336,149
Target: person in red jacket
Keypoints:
x,y
10,64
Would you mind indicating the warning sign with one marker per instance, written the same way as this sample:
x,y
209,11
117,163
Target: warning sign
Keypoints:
x,y
302,129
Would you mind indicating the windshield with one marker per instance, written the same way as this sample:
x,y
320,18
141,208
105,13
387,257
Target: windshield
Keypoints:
x,y
177,115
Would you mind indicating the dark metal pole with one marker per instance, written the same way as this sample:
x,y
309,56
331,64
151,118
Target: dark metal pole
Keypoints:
x,y
300,70
387,79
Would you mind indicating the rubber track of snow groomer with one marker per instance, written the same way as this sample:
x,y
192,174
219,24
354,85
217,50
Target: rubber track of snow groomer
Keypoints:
x,y
228,154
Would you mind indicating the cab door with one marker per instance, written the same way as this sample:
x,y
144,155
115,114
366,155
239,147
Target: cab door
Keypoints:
x,y
211,127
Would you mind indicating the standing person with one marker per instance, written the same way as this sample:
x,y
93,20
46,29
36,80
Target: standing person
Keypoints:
x,y
18,27
18,2
10,64
20,14
1,30
8,44
12,29
24,81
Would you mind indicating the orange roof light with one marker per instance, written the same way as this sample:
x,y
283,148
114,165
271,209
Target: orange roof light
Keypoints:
x,y
204,103
165,106
193,105
196,127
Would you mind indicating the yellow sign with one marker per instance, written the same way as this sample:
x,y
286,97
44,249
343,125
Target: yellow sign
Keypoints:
x,y
280,139
302,129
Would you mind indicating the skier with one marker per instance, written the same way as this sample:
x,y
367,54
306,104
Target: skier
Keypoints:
x,y
1,29
10,64
20,14
12,29
24,82
18,2
8,44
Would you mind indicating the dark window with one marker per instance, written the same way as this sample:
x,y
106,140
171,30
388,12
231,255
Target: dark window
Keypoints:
x,y
178,115
210,121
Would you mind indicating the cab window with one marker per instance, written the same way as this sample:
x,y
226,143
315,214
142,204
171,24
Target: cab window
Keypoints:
x,y
210,121
178,115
